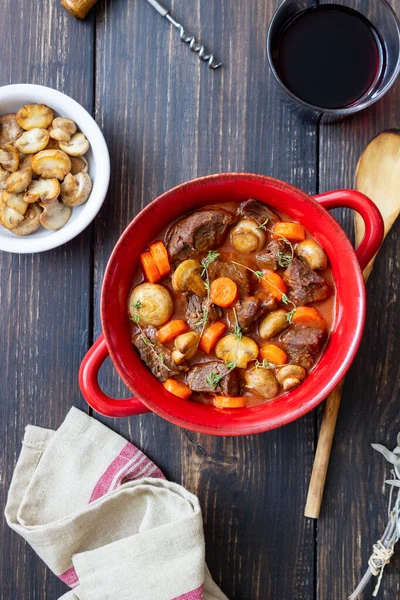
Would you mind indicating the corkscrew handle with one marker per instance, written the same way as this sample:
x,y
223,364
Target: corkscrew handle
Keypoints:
x,y
159,7
187,39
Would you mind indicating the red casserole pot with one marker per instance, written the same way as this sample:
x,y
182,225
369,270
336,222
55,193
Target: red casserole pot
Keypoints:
x,y
347,266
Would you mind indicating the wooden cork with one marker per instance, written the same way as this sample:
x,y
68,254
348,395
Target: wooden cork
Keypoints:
x,y
78,8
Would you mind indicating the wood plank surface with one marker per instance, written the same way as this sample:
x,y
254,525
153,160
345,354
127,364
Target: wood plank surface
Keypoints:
x,y
170,119
354,509
44,298
167,118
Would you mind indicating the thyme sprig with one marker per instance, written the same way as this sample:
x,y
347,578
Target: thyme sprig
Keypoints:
x,y
136,306
284,298
213,379
263,225
205,263
136,319
266,364
284,260
237,330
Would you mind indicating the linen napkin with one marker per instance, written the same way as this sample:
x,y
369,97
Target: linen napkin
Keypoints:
x,y
102,516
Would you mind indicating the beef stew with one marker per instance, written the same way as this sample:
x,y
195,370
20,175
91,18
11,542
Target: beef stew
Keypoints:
x,y
232,305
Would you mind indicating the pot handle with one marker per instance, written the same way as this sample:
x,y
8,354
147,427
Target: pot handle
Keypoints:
x,y
98,400
370,214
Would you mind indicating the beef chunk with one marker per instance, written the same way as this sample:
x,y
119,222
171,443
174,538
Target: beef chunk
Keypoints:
x,y
228,385
304,344
247,311
253,308
257,211
306,285
151,352
195,307
198,232
269,258
241,276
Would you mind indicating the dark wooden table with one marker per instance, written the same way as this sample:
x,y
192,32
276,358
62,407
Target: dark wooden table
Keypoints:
x,y
167,119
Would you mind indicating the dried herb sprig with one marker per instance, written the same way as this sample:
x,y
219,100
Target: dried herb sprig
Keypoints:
x,y
284,298
383,550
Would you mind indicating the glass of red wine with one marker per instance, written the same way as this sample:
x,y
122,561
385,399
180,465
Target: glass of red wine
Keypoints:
x,y
334,58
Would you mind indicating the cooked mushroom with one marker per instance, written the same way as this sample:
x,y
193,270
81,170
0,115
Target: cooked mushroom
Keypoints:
x,y
238,351
185,347
62,129
291,376
55,214
31,222
273,324
77,145
151,303
9,217
42,189
312,254
79,164
9,129
51,164
32,116
9,157
75,190
247,236
187,278
15,201
18,182
32,141
262,381
4,175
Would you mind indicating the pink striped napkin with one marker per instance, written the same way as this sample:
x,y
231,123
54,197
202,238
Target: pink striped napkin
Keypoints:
x,y
104,519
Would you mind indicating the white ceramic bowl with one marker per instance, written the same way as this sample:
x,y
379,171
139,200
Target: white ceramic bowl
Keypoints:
x,y
12,98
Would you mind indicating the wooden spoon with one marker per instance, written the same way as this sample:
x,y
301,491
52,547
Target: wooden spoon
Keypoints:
x,y
78,8
377,176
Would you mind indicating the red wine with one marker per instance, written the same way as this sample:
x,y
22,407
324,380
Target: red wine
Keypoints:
x,y
329,56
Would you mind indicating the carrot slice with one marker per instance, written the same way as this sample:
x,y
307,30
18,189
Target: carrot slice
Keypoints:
x,y
149,267
211,336
160,256
177,388
294,232
230,401
274,354
223,292
171,330
274,284
307,315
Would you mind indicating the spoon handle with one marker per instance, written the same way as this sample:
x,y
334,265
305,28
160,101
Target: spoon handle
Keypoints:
x,y
322,455
324,446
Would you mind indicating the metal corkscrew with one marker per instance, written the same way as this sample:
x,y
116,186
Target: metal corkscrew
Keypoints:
x,y
187,39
